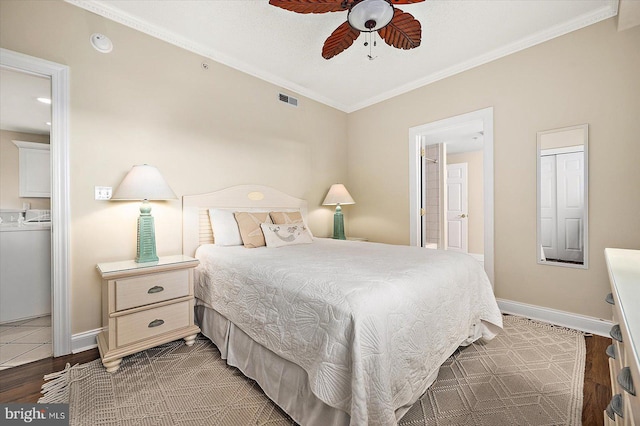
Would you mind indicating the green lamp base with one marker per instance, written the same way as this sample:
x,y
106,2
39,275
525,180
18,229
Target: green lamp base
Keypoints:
x,y
146,250
338,224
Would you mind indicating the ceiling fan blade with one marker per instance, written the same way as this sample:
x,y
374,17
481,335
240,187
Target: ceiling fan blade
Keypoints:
x,y
312,6
404,31
339,40
405,1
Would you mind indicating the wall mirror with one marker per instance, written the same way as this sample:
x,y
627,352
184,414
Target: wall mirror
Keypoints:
x,y
562,206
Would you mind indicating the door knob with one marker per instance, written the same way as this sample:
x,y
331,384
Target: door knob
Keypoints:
x,y
463,215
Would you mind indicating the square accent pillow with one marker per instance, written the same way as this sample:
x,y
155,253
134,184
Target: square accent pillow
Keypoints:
x,y
249,225
278,235
286,217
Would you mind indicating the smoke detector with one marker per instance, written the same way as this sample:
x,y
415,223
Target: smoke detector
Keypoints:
x,y
101,43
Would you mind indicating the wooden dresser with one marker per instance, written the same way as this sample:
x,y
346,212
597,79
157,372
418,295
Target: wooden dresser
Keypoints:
x,y
145,305
624,353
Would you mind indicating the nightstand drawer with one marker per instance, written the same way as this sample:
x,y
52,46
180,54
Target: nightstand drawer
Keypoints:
x,y
147,289
152,322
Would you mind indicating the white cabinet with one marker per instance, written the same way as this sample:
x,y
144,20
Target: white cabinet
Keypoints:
x,y
624,353
35,174
145,305
25,272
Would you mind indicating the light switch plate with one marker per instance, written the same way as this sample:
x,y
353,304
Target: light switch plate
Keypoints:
x,y
103,192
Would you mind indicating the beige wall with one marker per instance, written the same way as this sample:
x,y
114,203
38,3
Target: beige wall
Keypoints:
x,y
148,101
475,189
587,76
10,171
151,102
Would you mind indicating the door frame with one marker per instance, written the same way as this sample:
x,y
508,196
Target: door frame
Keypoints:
x,y
60,206
415,139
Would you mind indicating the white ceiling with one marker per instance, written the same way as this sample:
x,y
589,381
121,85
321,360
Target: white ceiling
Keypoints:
x,y
20,111
284,47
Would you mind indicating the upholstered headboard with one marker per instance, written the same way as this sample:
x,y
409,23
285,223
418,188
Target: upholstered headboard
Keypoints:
x,y
196,227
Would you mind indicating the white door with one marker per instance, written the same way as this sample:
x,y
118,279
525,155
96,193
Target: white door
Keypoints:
x,y
457,210
570,173
548,216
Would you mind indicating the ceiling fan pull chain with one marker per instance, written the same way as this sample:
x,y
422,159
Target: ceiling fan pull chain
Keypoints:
x,y
372,35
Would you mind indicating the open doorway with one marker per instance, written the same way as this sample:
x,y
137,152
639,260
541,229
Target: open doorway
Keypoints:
x,y
464,139
58,76
25,227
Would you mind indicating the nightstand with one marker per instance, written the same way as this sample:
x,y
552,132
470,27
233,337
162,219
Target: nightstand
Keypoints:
x,y
145,305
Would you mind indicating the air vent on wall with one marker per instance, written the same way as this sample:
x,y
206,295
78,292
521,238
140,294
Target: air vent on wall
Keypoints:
x,y
288,99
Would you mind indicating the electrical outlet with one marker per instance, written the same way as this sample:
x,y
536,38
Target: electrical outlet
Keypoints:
x,y
103,192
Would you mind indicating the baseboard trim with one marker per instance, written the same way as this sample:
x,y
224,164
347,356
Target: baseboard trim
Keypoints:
x,y
584,323
84,341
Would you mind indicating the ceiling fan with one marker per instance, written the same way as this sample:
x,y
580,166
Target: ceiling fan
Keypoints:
x,y
397,28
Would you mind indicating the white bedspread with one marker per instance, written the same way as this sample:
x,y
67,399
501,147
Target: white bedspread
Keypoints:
x,y
369,323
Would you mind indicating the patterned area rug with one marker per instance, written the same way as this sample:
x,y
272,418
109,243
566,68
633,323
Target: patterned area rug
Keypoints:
x,y
531,374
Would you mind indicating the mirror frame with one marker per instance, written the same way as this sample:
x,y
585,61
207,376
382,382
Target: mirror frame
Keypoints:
x,y
585,265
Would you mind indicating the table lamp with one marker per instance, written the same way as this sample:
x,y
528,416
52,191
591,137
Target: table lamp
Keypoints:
x,y
337,196
144,182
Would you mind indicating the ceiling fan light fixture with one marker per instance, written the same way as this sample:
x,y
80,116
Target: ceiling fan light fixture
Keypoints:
x,y
370,15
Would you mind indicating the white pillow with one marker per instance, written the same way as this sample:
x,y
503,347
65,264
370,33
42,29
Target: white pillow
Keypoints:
x,y
225,228
286,234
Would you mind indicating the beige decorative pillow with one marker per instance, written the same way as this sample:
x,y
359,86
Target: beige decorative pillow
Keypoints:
x,y
286,234
249,225
286,217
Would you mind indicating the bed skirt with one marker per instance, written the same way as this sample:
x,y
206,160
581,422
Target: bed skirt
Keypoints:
x,y
284,382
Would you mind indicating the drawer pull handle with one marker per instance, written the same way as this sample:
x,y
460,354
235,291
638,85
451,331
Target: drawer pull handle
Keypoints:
x,y
611,351
615,333
610,412
155,289
625,380
616,405
156,323
609,299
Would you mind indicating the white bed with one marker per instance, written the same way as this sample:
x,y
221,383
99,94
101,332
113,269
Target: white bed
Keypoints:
x,y
335,332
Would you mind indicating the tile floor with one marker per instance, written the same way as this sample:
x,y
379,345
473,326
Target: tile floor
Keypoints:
x,y
25,341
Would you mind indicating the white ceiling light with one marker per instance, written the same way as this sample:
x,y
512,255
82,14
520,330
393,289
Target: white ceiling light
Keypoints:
x,y
45,100
101,43
370,15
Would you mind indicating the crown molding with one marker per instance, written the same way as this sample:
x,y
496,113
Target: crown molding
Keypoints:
x,y
105,10
582,21
113,14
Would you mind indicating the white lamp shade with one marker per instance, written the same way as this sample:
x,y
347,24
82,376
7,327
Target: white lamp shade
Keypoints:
x,y
143,182
338,194
370,15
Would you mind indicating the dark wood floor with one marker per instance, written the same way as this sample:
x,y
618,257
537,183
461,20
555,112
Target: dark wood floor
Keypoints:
x,y
597,383
22,384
